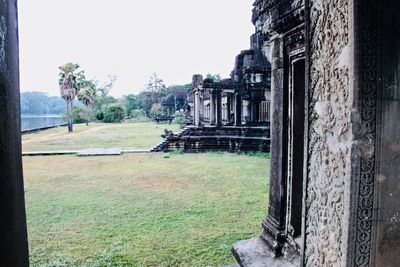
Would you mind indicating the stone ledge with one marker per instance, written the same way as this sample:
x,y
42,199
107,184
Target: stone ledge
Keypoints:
x,y
254,253
100,152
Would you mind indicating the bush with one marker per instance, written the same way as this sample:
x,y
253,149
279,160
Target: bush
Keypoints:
x,y
156,110
114,113
100,115
179,117
138,115
79,114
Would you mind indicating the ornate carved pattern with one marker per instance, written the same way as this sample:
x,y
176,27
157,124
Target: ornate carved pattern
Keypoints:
x,y
329,133
263,5
3,33
276,133
365,202
278,15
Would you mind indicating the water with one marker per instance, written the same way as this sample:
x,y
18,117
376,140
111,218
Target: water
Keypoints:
x,y
38,121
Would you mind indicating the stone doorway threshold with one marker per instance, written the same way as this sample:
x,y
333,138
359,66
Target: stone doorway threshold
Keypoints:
x,y
254,253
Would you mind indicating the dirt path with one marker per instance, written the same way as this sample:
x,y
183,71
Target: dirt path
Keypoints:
x,y
63,134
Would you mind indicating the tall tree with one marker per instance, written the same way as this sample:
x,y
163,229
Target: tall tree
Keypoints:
x,y
106,86
70,81
87,95
156,84
131,102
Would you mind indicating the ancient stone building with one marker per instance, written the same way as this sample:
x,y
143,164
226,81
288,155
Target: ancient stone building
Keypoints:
x,y
242,99
233,114
170,104
334,182
174,102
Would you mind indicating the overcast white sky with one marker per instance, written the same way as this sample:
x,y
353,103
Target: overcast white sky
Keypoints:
x,y
131,39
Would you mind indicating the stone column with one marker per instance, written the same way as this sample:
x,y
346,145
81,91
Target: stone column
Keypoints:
x,y
238,109
251,108
274,224
13,233
197,85
218,99
212,107
228,107
197,108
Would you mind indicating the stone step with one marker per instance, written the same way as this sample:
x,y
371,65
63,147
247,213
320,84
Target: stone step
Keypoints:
x,y
254,253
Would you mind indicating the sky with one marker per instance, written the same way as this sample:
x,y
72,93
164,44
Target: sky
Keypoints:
x,y
130,39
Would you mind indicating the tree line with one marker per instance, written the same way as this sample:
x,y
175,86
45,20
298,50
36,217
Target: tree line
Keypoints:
x,y
84,100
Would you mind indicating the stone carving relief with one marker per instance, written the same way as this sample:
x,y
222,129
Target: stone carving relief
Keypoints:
x,y
329,133
365,202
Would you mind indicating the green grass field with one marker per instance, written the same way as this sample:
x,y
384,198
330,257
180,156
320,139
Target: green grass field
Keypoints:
x,y
125,135
141,209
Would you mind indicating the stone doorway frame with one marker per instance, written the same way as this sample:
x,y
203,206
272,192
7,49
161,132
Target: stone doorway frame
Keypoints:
x,y
294,56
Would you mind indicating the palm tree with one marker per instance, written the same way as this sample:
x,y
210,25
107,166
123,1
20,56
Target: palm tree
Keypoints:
x,y
70,82
87,95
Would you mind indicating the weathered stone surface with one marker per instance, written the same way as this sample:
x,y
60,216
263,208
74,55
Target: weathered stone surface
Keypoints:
x,y
329,134
194,139
13,233
254,253
351,148
387,186
283,22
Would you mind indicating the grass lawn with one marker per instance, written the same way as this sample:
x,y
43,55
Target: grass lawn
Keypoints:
x,y
126,135
142,209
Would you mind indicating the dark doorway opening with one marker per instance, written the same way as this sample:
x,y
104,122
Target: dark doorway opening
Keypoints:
x,y
296,146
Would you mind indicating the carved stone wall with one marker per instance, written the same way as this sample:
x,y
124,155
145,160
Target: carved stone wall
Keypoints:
x,y
330,134
365,132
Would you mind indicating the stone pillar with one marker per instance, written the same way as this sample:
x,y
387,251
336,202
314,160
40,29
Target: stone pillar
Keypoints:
x,y
228,108
332,152
197,108
218,99
238,109
197,85
251,108
359,160
274,224
13,233
212,107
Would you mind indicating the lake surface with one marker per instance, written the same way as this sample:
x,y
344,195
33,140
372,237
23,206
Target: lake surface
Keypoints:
x,y
38,121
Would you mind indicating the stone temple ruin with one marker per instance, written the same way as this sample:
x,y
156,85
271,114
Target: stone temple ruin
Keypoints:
x,y
335,142
230,115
